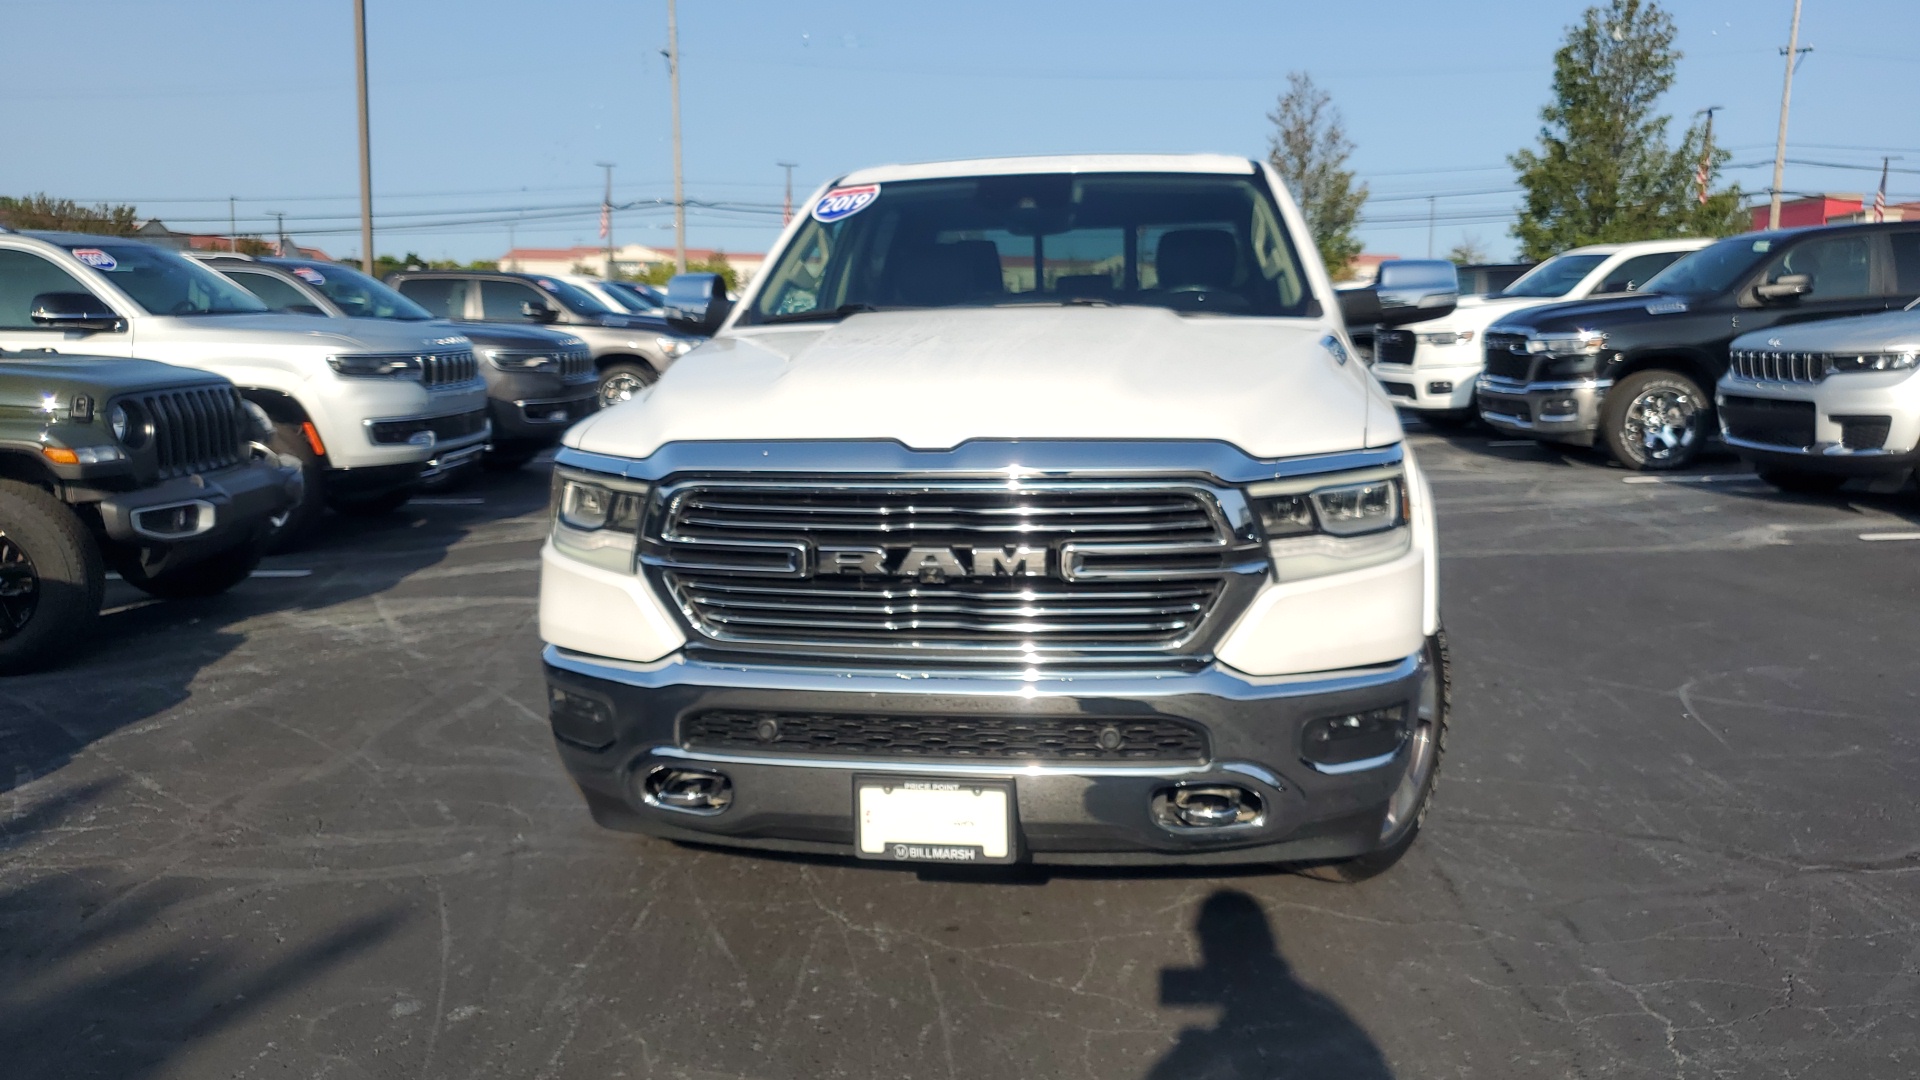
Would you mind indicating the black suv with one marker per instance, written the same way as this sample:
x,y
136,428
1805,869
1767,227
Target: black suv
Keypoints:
x,y
539,381
1636,371
629,351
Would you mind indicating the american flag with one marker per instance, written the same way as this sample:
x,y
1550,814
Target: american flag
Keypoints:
x,y
1700,177
606,220
1880,197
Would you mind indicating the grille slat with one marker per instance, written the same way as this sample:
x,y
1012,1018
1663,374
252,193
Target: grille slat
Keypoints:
x,y
1793,367
1030,738
1507,357
192,430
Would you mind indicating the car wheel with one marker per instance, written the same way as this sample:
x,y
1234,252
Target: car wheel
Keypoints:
x,y
51,579
1413,795
621,380
375,505
1802,483
1656,420
210,576
294,526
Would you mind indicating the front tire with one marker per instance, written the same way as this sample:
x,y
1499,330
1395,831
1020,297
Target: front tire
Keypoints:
x,y
1656,420
51,579
1407,807
210,576
622,379
293,527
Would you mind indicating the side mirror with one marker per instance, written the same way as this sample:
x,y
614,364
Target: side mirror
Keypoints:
x,y
1785,287
72,311
1405,291
540,313
697,303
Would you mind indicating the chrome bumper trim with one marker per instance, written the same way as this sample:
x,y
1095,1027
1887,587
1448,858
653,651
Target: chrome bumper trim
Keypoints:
x,y
1362,765
1831,450
446,463
944,768
1519,389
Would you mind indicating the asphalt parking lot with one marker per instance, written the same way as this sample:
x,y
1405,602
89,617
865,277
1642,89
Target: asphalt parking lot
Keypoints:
x,y
315,828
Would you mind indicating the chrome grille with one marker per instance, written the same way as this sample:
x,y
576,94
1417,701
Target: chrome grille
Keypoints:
x,y
1130,570
1761,366
1507,356
194,430
448,368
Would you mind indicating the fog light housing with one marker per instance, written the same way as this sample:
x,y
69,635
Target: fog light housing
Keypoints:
x,y
586,722
1560,408
1440,387
1206,806
1354,740
690,791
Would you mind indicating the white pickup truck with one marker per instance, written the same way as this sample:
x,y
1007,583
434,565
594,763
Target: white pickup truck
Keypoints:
x,y
1025,509
1430,367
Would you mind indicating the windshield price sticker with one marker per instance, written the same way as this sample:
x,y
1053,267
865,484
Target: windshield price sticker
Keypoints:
x,y
95,258
844,202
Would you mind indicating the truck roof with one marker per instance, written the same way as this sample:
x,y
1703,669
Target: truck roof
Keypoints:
x,y
1225,164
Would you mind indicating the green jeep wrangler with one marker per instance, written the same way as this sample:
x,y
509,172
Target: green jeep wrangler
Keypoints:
x,y
159,473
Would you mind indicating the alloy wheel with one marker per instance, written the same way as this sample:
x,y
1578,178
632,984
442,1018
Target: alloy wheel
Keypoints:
x,y
619,387
1663,422
19,587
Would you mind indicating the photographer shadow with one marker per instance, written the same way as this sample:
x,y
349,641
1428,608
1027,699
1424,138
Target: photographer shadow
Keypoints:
x,y
1271,1025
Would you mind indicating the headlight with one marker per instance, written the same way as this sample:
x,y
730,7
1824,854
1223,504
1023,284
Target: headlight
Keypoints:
x,y
1446,337
117,422
675,347
518,361
1567,342
596,518
1886,361
376,367
1319,525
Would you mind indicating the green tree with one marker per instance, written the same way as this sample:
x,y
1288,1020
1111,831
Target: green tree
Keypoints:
x,y
41,211
1604,172
1468,252
1309,148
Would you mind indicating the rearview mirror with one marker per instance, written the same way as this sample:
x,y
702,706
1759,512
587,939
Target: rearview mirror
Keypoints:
x,y
72,311
697,303
1404,291
1785,287
537,312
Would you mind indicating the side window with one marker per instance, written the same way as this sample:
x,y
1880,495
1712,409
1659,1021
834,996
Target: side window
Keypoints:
x,y
274,292
1906,262
23,276
500,300
1635,271
446,298
1841,266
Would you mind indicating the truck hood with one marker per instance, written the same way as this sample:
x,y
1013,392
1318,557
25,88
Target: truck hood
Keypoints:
x,y
1893,331
1479,312
1597,313
103,376
505,335
235,333
935,379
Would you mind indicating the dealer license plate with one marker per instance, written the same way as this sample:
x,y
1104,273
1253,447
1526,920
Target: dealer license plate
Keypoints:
x,y
934,820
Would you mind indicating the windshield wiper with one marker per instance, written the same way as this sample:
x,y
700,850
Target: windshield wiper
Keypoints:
x,y
840,312
1064,301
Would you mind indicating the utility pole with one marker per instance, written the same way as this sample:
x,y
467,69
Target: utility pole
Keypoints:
x,y
280,231
679,185
786,208
606,217
1432,202
366,143
508,261
233,223
1792,53
1704,174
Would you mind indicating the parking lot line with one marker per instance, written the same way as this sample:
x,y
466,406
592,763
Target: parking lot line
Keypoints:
x,y
1891,536
1724,478
282,573
1512,442
434,500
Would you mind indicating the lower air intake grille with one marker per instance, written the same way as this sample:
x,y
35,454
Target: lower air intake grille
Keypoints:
x,y
1764,420
1864,432
995,738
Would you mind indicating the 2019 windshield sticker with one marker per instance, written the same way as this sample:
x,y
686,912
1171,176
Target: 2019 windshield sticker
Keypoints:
x,y
844,202
96,258
309,275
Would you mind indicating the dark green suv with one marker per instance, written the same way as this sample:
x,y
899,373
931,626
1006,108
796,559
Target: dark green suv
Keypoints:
x,y
159,473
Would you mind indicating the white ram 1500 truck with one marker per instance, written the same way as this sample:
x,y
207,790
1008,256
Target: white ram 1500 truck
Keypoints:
x,y
1022,509
368,407
1430,367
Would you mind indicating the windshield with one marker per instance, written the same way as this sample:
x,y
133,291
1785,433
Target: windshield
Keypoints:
x,y
1712,269
357,294
165,283
1191,242
1555,277
639,299
576,299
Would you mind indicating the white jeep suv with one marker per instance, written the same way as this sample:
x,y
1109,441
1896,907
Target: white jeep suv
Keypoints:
x,y
1430,367
369,407
1029,508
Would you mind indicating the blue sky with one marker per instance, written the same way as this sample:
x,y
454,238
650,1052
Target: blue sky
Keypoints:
x,y
484,109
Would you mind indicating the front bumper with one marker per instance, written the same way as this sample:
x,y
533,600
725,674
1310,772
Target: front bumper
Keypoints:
x,y
541,418
1438,387
216,510
1891,399
1567,412
1066,811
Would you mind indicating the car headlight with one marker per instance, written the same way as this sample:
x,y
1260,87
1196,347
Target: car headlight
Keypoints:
x,y
117,422
675,347
1446,337
1567,342
1884,361
596,518
1320,525
516,360
359,366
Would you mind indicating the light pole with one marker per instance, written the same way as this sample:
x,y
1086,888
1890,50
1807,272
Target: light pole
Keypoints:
x,y
606,217
366,144
1792,51
280,232
233,223
786,208
679,186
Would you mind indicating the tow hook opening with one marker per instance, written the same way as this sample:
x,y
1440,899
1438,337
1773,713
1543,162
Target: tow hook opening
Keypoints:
x,y
689,791
1207,806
